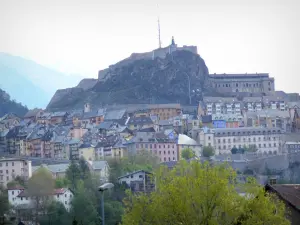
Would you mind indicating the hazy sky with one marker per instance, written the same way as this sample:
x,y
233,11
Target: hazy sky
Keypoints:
x,y
85,36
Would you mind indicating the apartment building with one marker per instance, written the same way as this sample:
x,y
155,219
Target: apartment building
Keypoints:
x,y
158,144
266,140
10,168
19,196
165,111
217,105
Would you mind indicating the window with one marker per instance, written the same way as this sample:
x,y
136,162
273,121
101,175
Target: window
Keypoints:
x,y
57,196
12,163
168,152
131,176
274,144
12,192
208,137
7,164
165,159
159,152
0,164
259,145
21,198
140,176
164,152
173,152
13,170
6,171
65,202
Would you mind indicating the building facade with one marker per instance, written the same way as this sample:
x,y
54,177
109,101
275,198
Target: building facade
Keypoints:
x,y
234,83
10,168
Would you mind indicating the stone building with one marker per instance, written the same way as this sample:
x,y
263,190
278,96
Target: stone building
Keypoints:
x,y
235,83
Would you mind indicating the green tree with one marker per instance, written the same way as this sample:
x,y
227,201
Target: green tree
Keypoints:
x,y
234,150
208,151
4,204
194,193
187,153
84,209
56,214
61,182
73,174
40,186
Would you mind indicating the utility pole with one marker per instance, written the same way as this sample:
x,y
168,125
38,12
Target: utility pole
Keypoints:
x,y
158,23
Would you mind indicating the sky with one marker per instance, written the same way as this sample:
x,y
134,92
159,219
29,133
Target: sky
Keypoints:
x,y
82,37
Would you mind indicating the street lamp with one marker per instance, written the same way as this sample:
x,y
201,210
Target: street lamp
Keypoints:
x,y
103,188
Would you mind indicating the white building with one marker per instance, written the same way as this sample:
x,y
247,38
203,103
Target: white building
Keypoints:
x,y
100,168
10,168
132,177
18,196
266,140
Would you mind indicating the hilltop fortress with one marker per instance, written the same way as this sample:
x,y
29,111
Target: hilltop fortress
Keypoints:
x,y
157,53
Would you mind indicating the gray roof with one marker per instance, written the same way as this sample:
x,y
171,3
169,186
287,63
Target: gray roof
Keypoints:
x,y
56,168
114,114
74,141
105,125
58,114
99,165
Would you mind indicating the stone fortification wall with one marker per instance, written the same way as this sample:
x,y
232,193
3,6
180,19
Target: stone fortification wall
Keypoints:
x,y
157,53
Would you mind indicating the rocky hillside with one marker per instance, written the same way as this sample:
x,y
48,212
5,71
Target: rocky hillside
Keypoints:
x,y
143,81
7,105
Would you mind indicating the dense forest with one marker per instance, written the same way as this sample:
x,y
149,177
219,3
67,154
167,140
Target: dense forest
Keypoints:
x,y
7,105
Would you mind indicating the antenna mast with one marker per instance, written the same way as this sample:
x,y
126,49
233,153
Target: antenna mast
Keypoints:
x,y
158,23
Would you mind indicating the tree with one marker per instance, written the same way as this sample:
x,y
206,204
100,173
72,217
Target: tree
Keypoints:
x,y
61,182
4,204
56,214
234,150
84,210
40,186
187,153
73,174
251,148
208,151
194,193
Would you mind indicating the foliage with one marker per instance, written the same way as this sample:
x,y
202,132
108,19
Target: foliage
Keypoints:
x,y
234,150
73,174
143,160
83,209
4,204
195,193
57,214
61,182
187,153
10,106
208,151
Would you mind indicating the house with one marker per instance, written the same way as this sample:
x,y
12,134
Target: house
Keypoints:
x,y
187,142
57,170
19,196
158,144
33,114
206,121
138,181
142,113
165,111
77,132
289,193
119,150
10,168
137,123
117,115
43,118
104,146
58,117
73,146
87,151
100,168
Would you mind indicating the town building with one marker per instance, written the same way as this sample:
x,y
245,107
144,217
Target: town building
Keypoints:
x,y
20,197
138,181
165,111
100,168
10,168
266,140
236,83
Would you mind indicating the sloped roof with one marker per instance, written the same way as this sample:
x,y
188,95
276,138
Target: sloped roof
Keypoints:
x,y
185,140
98,165
32,113
114,114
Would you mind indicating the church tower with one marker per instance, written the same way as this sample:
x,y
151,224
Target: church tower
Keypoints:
x,y
173,46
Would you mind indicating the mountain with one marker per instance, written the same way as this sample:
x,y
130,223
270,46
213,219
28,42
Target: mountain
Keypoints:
x,y
31,83
141,80
10,106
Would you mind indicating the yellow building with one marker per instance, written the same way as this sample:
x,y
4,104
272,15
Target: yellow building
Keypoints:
x,y
165,111
87,151
119,152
